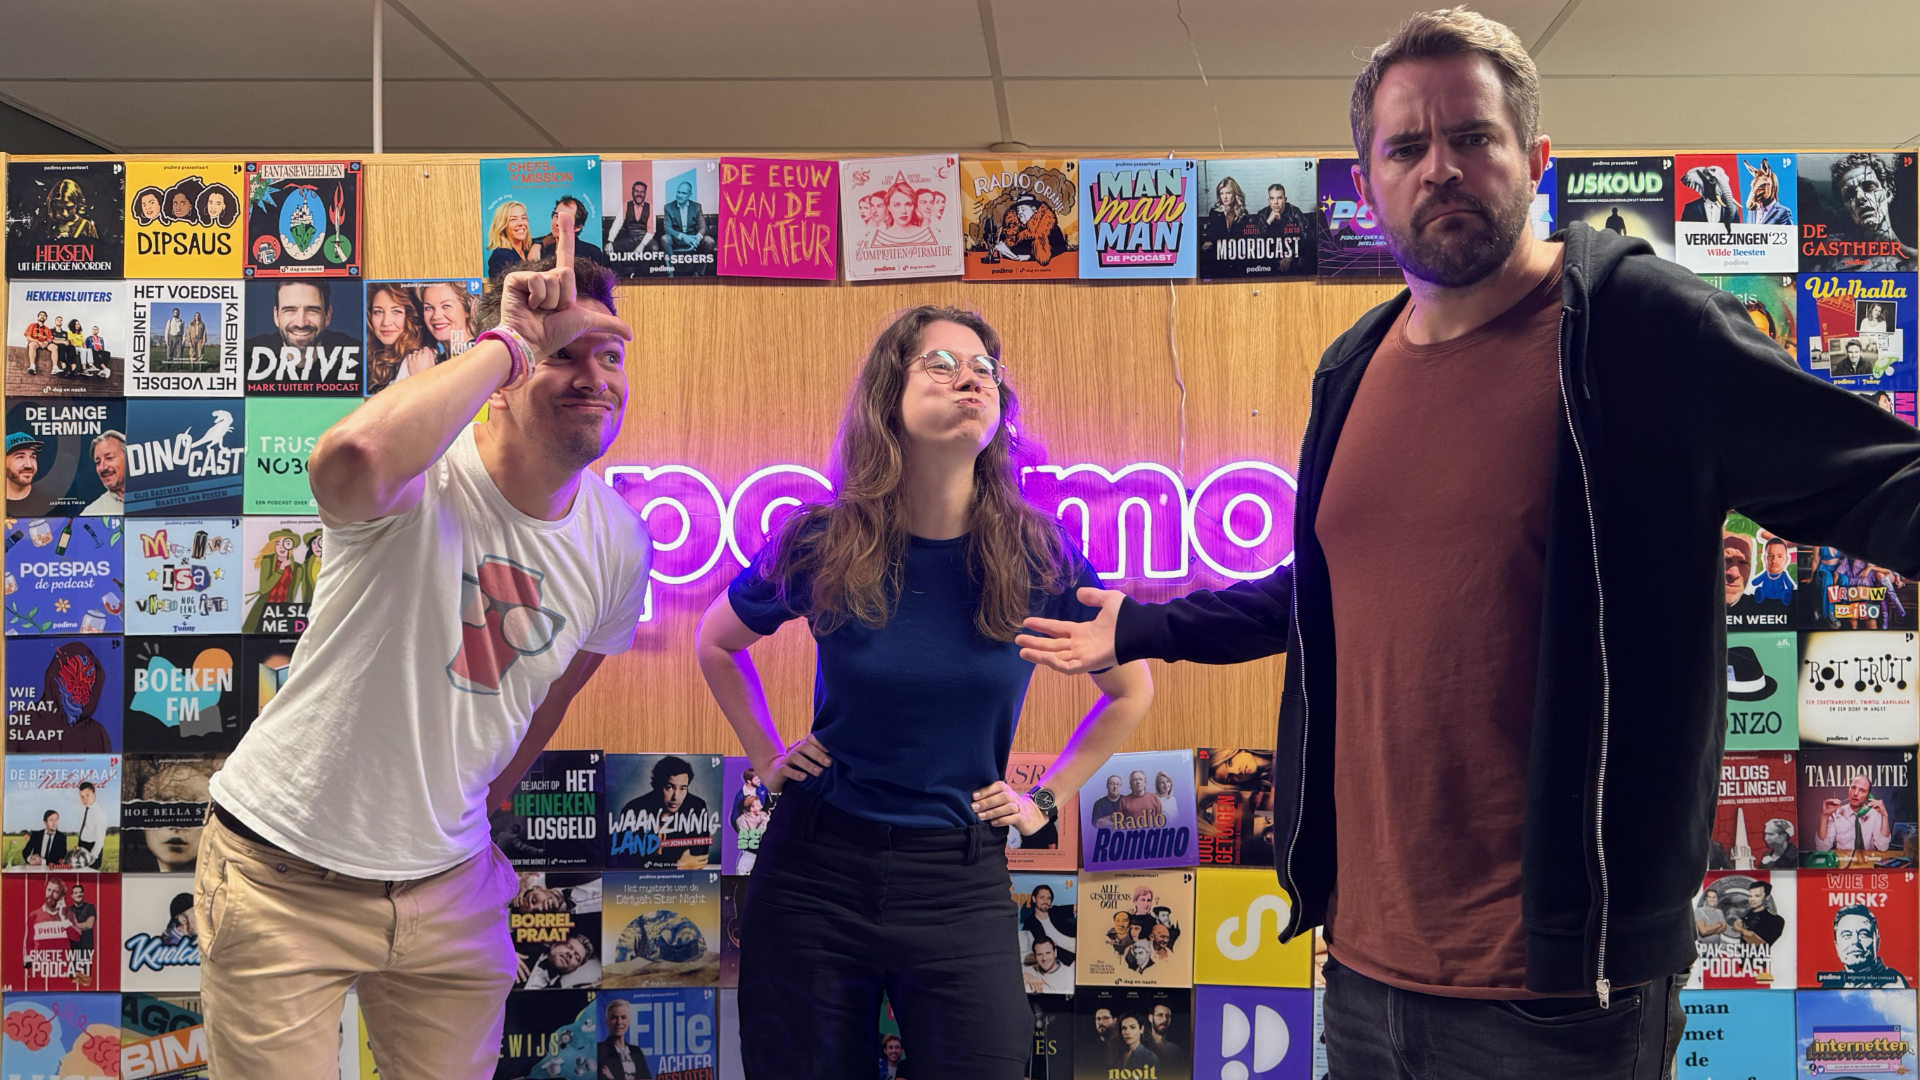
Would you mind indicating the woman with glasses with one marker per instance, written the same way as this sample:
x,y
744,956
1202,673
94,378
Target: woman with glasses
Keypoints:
x,y
884,867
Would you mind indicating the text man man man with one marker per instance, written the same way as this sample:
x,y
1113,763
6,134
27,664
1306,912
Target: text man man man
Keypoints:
x,y
1507,426
476,577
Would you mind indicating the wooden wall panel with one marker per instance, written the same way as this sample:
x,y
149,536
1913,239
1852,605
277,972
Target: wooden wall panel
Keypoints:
x,y
730,376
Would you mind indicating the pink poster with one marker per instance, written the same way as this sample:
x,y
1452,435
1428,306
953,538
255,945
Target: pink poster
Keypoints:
x,y
779,218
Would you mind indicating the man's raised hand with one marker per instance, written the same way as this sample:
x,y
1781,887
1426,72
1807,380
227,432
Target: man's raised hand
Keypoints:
x,y
1075,647
544,307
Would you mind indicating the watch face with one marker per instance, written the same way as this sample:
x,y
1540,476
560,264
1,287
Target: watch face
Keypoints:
x,y
1043,799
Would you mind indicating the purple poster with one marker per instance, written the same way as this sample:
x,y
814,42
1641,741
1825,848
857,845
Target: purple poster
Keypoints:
x,y
1352,242
1136,812
1254,1033
779,218
748,804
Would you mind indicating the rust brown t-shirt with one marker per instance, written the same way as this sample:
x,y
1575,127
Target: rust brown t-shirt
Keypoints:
x,y
1434,522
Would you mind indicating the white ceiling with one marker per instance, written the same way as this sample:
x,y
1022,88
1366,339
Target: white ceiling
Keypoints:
x,y
799,75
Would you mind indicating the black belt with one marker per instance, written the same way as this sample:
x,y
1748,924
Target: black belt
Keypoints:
x,y
239,828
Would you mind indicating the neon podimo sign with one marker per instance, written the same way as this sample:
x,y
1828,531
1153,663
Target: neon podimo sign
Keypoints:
x,y
1138,523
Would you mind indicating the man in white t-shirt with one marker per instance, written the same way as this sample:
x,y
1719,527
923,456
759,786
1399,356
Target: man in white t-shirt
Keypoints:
x,y
476,576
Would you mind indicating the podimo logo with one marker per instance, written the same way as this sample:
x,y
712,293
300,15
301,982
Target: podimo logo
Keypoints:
x,y
1138,523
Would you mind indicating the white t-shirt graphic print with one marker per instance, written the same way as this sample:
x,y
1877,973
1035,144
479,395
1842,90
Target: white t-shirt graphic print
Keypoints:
x,y
432,638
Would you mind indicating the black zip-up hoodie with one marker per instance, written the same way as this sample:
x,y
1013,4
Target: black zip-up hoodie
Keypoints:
x,y
1675,408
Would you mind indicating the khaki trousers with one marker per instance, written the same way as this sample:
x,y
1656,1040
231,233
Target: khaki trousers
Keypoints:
x,y
282,941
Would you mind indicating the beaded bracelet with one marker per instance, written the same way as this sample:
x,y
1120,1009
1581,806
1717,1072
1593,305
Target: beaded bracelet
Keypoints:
x,y
519,352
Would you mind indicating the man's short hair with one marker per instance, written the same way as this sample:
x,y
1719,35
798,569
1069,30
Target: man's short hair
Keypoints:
x,y
1772,540
1882,169
1451,32
1281,188
590,280
1760,885
87,785
667,768
1861,910
326,294
48,816
579,210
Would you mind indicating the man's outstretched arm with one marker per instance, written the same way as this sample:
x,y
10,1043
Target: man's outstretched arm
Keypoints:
x,y
1243,622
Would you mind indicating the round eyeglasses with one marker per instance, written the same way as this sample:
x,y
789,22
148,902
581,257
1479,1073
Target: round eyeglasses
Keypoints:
x,y
945,366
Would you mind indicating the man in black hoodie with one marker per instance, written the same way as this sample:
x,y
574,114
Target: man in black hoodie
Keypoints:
x,y
1525,423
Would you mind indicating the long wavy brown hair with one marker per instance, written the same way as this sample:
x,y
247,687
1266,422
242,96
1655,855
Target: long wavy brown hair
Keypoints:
x,y
853,549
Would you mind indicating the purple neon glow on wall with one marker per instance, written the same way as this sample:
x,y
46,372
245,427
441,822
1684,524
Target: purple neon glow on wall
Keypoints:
x,y
1136,523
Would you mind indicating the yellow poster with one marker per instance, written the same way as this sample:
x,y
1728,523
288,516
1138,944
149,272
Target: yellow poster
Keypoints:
x,y
1237,922
184,219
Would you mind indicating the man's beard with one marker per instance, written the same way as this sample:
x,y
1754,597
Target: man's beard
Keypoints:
x,y
1452,260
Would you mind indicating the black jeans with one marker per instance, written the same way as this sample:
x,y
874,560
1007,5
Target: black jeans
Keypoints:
x,y
1378,1032
841,909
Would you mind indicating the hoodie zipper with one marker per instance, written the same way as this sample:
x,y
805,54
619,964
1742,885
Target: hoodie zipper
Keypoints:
x,y
1602,986
1306,712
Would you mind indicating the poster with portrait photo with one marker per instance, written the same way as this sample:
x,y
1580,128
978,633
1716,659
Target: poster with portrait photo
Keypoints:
x,y
1838,349
163,806
413,325
61,811
183,575
160,942
669,1033
1145,1031
1132,927
1137,812
281,569
64,694
1857,929
1020,218
63,219
749,808
902,217
686,221
183,219
1857,212
1632,196
304,337
1047,904
1745,931
1755,813
554,922
67,338
664,811
59,931
521,201
1257,217
629,197
60,457
1856,808
184,456
1233,787
183,695
303,219
1734,213
186,339
1763,578
64,576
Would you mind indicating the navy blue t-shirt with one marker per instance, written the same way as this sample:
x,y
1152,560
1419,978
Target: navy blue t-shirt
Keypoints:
x,y
918,714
